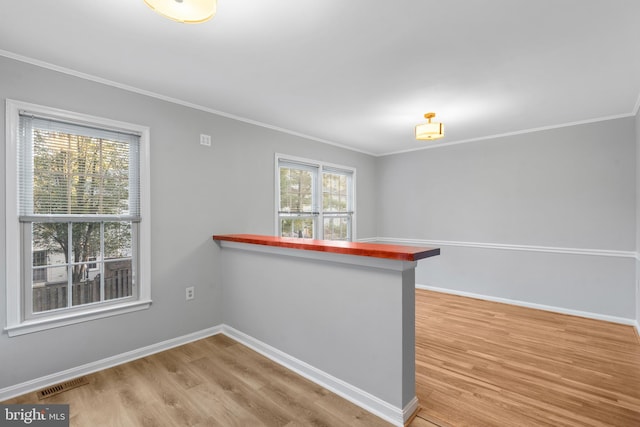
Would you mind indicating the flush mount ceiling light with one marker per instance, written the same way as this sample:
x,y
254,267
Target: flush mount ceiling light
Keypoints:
x,y
430,130
186,11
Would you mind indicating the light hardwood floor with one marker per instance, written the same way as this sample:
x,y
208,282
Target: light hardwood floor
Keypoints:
x,y
482,363
211,382
478,364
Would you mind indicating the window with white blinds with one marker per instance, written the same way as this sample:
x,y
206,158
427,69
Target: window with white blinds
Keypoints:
x,y
81,220
71,170
315,200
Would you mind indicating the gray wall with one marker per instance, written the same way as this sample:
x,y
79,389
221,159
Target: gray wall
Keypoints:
x,y
571,187
344,319
195,192
638,221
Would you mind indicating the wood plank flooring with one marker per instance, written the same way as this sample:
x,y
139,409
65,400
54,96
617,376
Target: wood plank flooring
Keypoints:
x,y
481,363
478,364
211,382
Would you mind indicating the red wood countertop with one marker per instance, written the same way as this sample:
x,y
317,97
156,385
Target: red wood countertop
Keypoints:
x,y
376,250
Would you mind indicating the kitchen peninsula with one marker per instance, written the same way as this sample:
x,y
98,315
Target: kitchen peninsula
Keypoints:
x,y
340,313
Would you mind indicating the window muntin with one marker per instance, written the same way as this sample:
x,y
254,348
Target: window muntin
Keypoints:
x,y
24,260
314,200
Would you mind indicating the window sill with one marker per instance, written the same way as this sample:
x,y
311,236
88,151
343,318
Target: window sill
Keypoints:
x,y
31,326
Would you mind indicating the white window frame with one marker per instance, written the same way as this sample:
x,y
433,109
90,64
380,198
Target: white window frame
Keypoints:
x,y
321,167
17,324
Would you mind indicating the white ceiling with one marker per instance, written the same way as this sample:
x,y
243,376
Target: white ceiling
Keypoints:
x,y
356,73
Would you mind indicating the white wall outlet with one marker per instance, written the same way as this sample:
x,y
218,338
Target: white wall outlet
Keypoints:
x,y
190,293
205,140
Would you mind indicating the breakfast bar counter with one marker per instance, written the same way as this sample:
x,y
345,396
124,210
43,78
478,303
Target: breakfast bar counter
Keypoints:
x,y
376,250
341,314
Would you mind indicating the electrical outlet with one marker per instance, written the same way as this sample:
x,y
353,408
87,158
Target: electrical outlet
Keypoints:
x,y
205,140
190,293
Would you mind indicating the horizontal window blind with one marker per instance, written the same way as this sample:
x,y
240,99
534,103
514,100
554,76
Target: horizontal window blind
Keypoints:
x,y
336,171
72,171
297,165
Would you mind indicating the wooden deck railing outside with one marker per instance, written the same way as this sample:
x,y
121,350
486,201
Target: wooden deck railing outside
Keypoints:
x,y
52,296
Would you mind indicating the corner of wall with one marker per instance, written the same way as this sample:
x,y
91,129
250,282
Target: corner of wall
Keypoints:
x,y
637,123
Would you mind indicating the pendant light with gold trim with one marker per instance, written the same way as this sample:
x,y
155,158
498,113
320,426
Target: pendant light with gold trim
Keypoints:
x,y
430,130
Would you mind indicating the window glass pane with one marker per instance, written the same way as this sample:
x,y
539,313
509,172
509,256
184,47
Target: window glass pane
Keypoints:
x,y
117,240
118,279
51,293
78,174
85,287
334,192
298,227
85,243
85,250
336,228
50,238
85,246
296,190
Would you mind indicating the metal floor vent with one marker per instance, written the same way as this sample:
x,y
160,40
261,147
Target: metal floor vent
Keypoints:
x,y
62,387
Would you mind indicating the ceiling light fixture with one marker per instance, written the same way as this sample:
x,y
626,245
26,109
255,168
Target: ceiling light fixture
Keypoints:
x,y
430,130
185,11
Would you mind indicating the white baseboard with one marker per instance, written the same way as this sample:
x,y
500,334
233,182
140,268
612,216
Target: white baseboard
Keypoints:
x,y
394,415
410,409
49,380
561,310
